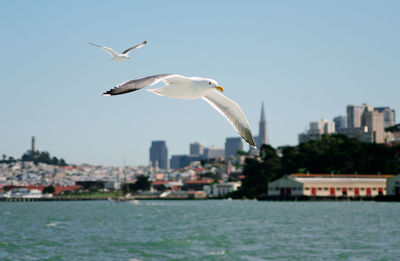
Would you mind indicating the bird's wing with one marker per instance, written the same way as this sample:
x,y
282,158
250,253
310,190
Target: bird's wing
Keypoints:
x,y
233,113
134,85
107,49
135,47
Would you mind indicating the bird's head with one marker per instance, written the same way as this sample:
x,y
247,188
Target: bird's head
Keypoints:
x,y
213,84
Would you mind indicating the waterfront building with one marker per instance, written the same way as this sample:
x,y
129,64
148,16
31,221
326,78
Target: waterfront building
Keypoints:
x,y
159,154
329,185
220,190
232,145
393,186
316,130
196,149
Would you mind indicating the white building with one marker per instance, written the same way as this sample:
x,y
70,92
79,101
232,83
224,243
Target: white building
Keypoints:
x,y
393,186
220,190
329,185
316,130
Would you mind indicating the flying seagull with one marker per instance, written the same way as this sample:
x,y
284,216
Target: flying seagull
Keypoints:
x,y
190,88
120,57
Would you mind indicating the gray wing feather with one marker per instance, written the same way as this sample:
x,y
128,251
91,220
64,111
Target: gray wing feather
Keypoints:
x,y
134,85
233,113
135,47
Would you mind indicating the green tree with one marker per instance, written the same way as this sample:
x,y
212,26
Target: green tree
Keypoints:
x,y
49,189
142,183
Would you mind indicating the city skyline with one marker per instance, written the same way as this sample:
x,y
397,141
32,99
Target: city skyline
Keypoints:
x,y
304,60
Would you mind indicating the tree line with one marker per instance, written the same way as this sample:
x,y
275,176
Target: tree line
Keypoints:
x,y
36,157
333,154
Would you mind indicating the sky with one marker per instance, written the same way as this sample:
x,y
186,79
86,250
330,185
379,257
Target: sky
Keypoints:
x,y
306,60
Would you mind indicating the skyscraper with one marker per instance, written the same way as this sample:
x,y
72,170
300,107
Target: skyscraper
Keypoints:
x,y
263,133
196,149
159,154
232,145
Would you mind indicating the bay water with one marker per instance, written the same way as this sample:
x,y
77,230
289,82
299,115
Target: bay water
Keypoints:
x,y
199,230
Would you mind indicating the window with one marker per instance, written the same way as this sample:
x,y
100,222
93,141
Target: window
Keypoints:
x,y
350,188
319,188
362,188
373,188
325,188
294,188
307,188
277,188
338,189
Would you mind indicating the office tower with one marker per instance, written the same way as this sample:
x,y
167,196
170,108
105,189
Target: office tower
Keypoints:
x,y
159,154
232,145
196,149
263,133
389,115
340,122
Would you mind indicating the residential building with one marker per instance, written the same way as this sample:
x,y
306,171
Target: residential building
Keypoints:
x,y
393,186
340,122
220,190
389,115
316,130
329,185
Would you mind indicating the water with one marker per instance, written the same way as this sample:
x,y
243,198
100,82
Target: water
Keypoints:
x,y
199,230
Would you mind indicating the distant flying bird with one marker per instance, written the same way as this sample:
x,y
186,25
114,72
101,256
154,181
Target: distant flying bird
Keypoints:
x,y
120,57
190,88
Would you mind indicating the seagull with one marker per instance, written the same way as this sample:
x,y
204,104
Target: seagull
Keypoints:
x,y
190,88
120,57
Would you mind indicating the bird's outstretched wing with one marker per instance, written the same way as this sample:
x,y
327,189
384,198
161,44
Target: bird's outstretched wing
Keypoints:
x,y
107,49
137,84
135,47
233,113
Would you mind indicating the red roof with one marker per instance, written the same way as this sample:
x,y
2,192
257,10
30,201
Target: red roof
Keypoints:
x,y
205,181
160,182
59,189
342,175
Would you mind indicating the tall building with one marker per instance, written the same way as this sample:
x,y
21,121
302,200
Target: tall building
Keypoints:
x,y
232,145
196,149
354,114
374,121
316,130
389,115
159,154
366,123
213,152
340,122
263,132
33,149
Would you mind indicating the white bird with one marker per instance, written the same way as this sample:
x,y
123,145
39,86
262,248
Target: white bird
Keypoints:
x,y
120,57
190,88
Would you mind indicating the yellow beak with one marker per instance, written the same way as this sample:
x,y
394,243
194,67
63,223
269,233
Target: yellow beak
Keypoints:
x,y
219,88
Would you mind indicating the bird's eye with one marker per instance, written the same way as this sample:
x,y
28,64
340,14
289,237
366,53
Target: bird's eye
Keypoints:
x,y
209,83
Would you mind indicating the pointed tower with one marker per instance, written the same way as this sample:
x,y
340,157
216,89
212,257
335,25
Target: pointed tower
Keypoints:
x,y
263,133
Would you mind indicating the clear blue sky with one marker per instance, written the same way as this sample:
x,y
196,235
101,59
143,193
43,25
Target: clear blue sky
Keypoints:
x,y
306,60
